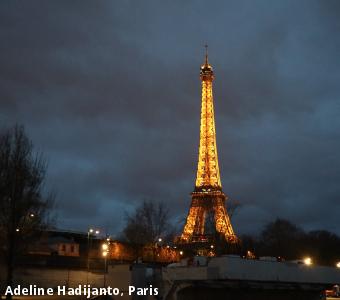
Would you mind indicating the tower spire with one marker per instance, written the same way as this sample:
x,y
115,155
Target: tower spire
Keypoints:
x,y
208,174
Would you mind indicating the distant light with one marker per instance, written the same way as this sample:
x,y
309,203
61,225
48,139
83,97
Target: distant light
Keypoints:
x,y
168,246
308,261
97,232
175,247
32,215
105,246
180,252
338,265
104,253
90,230
108,239
212,246
159,240
17,230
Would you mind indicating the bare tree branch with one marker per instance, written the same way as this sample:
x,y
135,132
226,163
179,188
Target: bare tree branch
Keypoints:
x,y
23,207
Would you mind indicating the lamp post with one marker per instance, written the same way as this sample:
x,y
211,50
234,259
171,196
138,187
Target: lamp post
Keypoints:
x,y
105,251
155,248
90,231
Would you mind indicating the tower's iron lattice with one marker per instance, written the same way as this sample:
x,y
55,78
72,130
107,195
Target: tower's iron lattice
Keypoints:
x,y
207,197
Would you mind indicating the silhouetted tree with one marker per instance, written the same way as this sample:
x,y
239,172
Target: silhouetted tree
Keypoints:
x,y
281,238
147,224
23,208
323,246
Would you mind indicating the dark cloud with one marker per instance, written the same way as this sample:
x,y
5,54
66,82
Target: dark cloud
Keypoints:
x,y
110,92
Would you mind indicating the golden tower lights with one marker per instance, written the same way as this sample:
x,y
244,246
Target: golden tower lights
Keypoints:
x,y
207,196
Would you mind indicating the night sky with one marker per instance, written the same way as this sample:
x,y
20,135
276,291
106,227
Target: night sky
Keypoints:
x,y
110,92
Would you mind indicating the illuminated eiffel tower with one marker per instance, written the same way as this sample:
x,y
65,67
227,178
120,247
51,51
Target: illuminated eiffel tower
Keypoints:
x,y
208,198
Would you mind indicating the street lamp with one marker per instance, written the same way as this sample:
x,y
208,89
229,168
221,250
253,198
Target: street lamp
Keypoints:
x,y
90,231
105,247
105,252
338,264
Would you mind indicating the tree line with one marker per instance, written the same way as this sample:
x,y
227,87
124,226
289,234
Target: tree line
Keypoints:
x,y
281,238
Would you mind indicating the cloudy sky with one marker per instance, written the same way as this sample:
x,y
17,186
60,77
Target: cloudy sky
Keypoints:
x,y
110,92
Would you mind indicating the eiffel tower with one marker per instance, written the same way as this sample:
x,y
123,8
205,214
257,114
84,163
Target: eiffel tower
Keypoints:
x,y
208,198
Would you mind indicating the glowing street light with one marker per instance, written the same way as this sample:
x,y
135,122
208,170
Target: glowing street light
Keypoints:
x,y
338,264
17,230
180,252
90,232
105,248
160,239
308,261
